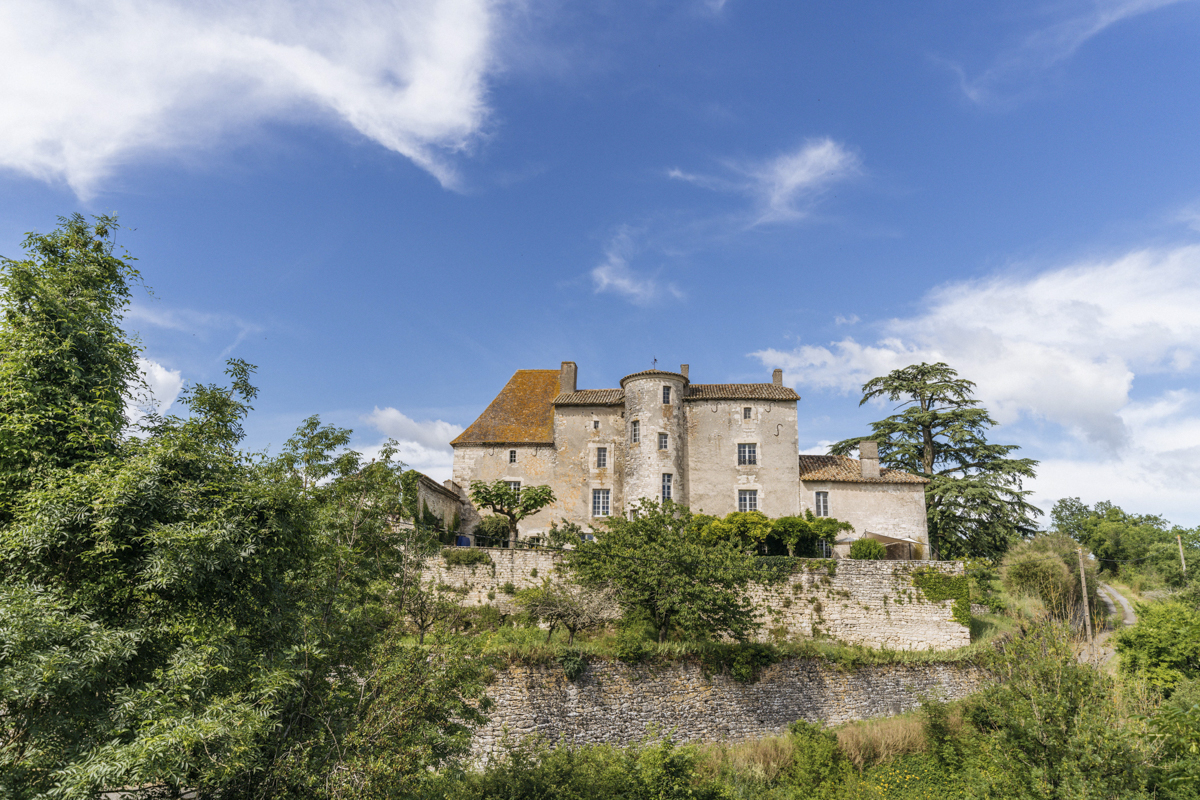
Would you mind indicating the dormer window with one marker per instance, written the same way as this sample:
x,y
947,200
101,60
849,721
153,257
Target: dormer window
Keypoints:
x,y
666,395
512,456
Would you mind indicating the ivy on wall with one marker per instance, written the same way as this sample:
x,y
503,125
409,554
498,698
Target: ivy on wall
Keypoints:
x,y
938,586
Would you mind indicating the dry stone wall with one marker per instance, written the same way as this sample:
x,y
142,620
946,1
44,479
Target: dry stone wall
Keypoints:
x,y
873,603
616,703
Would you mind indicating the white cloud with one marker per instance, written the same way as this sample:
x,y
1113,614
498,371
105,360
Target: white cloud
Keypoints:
x,y
164,386
87,86
424,446
615,275
1063,347
1050,46
785,187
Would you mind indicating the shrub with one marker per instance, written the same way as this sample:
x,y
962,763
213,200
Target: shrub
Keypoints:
x,y
1164,645
867,550
464,556
573,663
817,761
1047,567
492,530
508,588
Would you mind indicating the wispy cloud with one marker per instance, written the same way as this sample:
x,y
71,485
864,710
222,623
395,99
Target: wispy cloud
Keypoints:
x,y
1061,351
616,276
783,188
424,446
200,324
1013,71
86,87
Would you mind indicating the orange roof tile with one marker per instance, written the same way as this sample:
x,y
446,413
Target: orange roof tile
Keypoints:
x,y
521,414
844,468
591,397
740,391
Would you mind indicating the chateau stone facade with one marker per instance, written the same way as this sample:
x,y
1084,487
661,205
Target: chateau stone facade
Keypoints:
x,y
716,448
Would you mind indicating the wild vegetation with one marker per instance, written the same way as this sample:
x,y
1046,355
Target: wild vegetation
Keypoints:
x,y
178,616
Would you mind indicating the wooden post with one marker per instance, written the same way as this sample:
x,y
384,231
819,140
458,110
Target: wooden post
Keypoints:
x,y
1087,612
1182,563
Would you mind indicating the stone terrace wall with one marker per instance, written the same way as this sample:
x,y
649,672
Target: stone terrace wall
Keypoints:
x,y
616,703
861,602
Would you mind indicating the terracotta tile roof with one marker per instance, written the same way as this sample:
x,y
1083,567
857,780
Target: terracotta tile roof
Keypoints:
x,y
521,414
591,397
647,372
740,391
844,468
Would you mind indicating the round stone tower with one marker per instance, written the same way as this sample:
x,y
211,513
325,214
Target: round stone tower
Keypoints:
x,y
653,407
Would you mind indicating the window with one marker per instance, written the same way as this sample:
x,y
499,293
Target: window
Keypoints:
x,y
601,457
747,500
595,424
746,412
824,549
512,456
822,504
662,441
635,435
515,486
666,395
666,486
600,502
747,454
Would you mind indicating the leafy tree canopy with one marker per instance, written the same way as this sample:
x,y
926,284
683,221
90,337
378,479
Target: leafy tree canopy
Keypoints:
x,y
515,504
1124,541
754,532
657,566
975,502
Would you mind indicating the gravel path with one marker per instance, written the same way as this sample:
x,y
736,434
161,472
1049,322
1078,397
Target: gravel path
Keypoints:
x,y
1104,651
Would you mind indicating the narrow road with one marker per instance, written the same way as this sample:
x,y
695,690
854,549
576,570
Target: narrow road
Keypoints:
x,y
1104,651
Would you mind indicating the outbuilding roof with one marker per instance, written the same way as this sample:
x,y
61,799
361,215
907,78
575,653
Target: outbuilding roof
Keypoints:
x,y
739,391
849,470
522,413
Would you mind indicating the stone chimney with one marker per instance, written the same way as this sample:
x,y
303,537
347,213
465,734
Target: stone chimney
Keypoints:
x,y
777,377
868,458
683,370
566,377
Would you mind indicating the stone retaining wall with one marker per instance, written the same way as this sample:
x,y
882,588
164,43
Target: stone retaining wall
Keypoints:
x,y
616,703
873,603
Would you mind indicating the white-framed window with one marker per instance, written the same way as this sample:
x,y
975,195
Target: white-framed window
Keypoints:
x,y
601,457
666,486
666,395
601,500
662,441
512,456
635,432
824,549
746,412
821,504
514,486
747,499
747,454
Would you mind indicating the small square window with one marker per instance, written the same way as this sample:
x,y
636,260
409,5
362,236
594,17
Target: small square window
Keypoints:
x,y
662,441
514,486
666,486
746,412
601,499
635,434
601,457
747,500
512,456
821,501
747,454
666,395
595,424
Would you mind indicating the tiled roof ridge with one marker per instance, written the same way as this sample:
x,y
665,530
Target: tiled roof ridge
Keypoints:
x,y
648,372
738,391
590,397
849,470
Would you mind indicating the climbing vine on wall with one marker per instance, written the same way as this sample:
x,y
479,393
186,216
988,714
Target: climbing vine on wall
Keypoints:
x,y
938,586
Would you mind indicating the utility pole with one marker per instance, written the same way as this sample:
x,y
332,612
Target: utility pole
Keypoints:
x,y
1087,612
1182,563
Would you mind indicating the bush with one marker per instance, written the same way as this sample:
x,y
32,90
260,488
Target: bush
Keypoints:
x,y
1164,645
464,556
868,550
492,531
1047,567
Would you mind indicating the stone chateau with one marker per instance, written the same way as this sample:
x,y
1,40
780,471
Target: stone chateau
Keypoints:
x,y
715,447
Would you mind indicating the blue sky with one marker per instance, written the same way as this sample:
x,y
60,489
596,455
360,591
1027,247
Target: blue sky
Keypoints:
x,y
391,206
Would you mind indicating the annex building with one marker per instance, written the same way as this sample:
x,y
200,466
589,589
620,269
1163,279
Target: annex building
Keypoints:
x,y
715,447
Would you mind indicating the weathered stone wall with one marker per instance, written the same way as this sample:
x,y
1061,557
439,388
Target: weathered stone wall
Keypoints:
x,y
892,509
645,464
616,703
534,466
861,602
578,432
443,503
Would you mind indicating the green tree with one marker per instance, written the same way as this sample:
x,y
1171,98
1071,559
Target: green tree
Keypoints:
x,y
1127,542
569,605
657,567
975,502
66,367
746,530
1164,644
514,504
800,535
868,550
